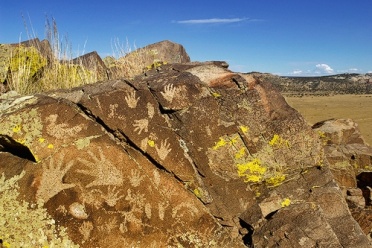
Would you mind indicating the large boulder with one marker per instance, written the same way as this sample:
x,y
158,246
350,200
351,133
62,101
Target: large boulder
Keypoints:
x,y
350,160
147,58
192,155
93,62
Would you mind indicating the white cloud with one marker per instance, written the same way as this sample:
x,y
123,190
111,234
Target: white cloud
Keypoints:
x,y
323,69
297,72
212,21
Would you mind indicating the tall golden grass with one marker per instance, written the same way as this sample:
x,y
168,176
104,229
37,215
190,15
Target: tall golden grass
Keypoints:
x,y
32,72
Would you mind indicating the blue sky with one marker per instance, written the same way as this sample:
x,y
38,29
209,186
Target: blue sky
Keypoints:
x,y
292,37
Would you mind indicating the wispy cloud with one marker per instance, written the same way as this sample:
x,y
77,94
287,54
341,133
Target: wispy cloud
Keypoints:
x,y
212,21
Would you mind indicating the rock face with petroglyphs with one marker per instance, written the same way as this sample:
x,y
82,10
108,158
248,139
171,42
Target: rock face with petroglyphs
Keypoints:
x,y
191,155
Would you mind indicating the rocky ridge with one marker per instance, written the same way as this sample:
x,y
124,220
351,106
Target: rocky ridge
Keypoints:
x,y
185,154
323,85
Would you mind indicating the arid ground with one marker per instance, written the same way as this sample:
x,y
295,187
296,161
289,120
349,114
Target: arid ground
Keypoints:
x,y
318,108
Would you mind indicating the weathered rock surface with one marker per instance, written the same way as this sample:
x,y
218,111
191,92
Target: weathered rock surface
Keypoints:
x,y
93,62
350,160
146,58
191,155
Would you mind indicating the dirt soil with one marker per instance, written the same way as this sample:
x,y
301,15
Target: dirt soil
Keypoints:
x,y
319,108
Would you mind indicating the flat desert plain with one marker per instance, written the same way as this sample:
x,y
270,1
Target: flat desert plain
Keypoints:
x,y
319,108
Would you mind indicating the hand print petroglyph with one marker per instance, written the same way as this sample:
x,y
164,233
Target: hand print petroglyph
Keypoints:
x,y
156,177
150,110
163,150
51,182
106,225
133,216
93,197
135,178
132,100
113,108
112,196
85,229
61,131
162,207
102,169
169,92
188,208
141,125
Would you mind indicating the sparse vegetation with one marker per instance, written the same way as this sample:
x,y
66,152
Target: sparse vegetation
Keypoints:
x,y
36,68
319,108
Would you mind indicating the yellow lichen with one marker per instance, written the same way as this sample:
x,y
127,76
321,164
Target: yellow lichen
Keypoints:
x,y
17,128
252,171
151,143
275,180
323,137
234,139
50,146
278,141
216,95
244,129
240,154
221,143
286,202
197,192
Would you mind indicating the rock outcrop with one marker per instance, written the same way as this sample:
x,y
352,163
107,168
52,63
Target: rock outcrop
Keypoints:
x,y
192,155
93,62
146,58
350,160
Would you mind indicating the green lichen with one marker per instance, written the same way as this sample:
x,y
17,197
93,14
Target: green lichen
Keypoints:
x,y
84,142
27,225
24,127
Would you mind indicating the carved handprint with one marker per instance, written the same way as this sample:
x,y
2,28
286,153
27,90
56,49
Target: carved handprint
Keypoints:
x,y
102,169
163,150
112,196
132,100
135,178
150,110
141,125
51,179
169,92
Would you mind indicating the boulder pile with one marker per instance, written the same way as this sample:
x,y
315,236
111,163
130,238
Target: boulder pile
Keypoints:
x,y
185,155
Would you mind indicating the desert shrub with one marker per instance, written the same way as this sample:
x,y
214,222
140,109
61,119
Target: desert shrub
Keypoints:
x,y
25,66
30,72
